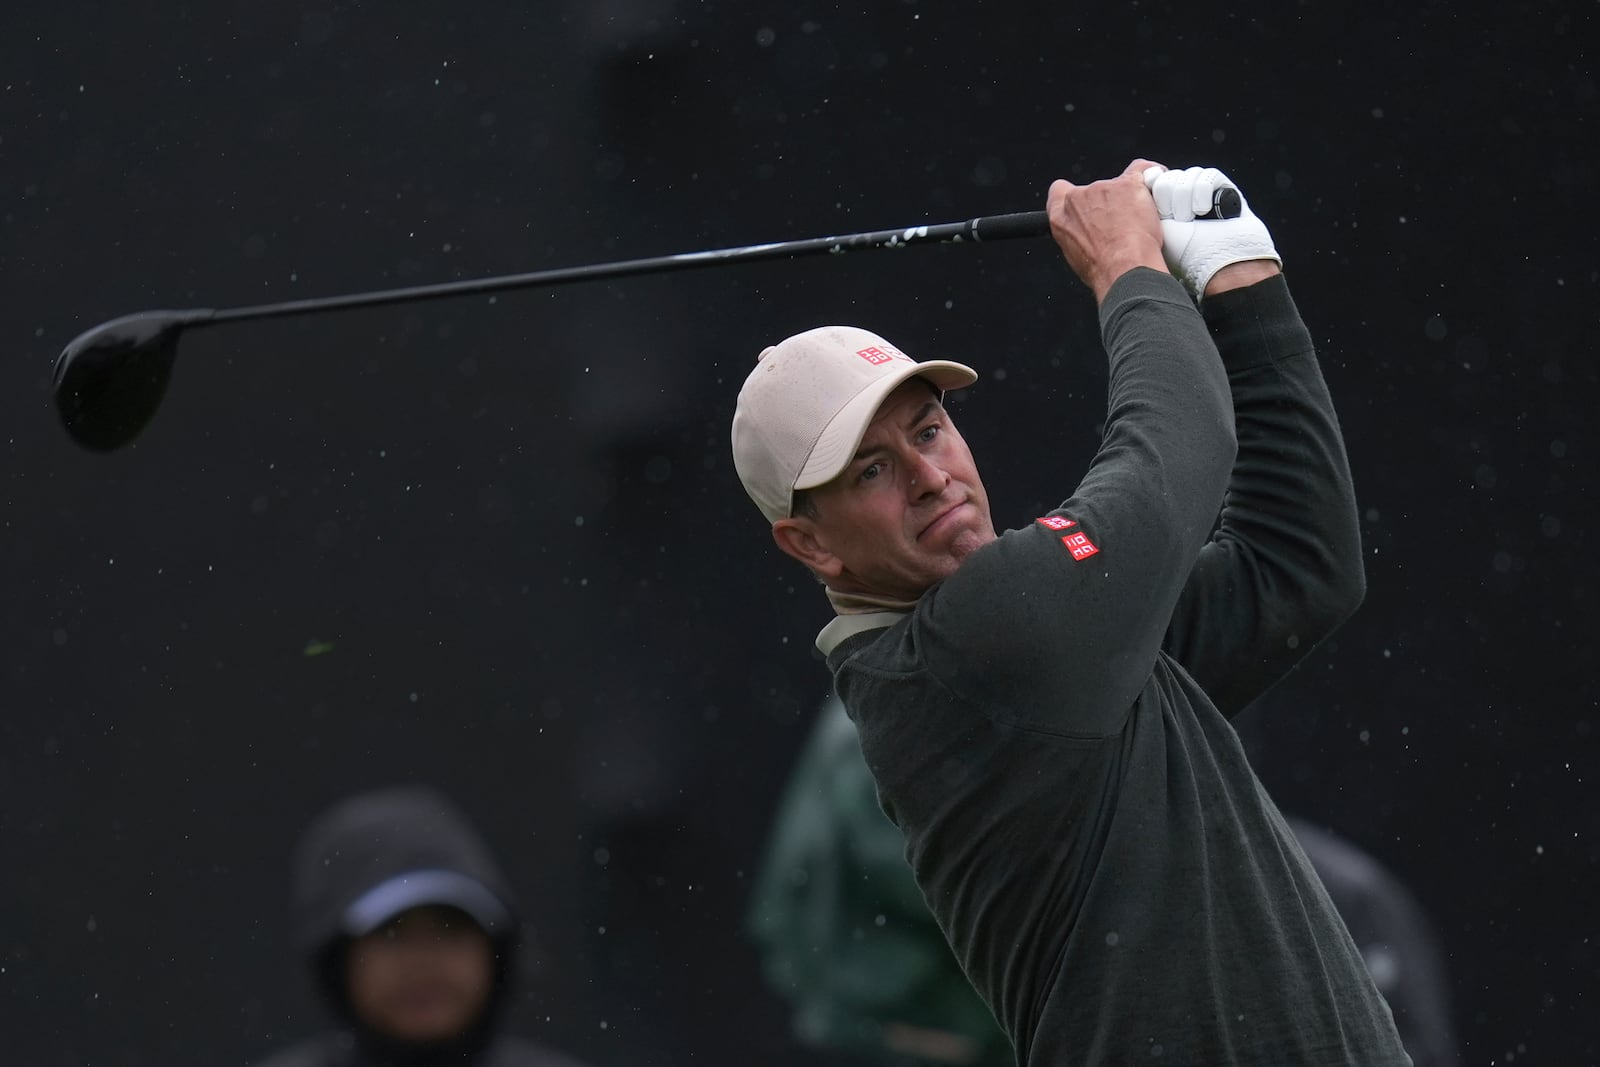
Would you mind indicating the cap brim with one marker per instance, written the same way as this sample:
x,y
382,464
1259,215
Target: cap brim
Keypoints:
x,y
840,438
383,902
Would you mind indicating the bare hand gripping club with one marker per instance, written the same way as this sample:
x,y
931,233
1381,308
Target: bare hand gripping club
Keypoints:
x,y
110,380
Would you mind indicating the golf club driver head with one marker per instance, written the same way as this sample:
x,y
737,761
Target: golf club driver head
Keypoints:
x,y
109,381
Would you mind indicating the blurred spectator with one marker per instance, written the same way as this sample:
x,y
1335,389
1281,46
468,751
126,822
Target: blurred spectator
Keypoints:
x,y
844,933
409,928
847,940
1395,939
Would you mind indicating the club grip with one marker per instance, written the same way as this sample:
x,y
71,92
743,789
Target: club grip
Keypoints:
x,y
1225,204
1006,227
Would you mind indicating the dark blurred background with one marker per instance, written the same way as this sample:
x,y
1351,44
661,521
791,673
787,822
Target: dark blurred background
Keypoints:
x,y
497,545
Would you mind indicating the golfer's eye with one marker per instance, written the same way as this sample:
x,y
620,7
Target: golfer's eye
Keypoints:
x,y
928,433
869,472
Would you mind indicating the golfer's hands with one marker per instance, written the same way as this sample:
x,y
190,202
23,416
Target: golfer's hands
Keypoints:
x,y
1197,249
1108,227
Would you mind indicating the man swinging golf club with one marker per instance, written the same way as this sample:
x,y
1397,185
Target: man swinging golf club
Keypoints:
x,y
1046,712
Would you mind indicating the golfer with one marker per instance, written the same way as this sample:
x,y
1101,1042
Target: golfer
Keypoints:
x,y
1046,712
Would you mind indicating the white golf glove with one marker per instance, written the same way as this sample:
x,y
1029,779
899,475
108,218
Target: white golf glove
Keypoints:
x,y
1196,248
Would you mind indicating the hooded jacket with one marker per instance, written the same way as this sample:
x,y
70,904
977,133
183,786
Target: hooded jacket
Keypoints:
x,y
357,866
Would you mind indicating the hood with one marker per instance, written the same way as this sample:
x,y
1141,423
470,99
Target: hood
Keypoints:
x,y
372,856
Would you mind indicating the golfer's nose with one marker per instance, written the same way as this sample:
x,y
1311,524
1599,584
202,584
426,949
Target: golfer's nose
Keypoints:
x,y
927,477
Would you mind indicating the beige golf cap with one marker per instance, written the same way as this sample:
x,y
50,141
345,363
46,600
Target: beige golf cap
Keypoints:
x,y
804,409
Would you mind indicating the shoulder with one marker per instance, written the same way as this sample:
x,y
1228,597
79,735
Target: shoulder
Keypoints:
x,y
1009,596
981,614
1015,573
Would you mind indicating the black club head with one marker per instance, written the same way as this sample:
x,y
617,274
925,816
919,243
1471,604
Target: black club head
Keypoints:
x,y
109,381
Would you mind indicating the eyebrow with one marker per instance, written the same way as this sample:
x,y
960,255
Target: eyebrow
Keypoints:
x,y
922,413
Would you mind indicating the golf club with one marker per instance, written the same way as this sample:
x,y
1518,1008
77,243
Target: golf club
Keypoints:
x,y
110,380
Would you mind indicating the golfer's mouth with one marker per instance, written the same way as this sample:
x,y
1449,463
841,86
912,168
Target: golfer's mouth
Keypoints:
x,y
943,518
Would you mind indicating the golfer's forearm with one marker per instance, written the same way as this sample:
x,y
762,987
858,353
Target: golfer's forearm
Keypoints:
x,y
1284,567
1291,504
1168,411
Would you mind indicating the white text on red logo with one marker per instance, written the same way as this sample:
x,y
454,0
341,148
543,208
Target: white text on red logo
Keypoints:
x,y
1079,545
877,356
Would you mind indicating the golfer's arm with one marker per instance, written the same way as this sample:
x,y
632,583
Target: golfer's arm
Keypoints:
x,y
1169,440
1284,568
1062,631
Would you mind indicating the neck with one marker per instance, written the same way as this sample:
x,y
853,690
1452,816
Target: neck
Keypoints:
x,y
865,603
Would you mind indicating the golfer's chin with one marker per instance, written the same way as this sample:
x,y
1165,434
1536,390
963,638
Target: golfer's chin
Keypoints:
x,y
957,535
943,560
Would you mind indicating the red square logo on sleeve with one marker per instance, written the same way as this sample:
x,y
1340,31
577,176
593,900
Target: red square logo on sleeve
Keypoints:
x,y
1056,522
1079,545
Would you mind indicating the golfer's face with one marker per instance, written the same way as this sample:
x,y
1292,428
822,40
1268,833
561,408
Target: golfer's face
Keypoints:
x,y
910,506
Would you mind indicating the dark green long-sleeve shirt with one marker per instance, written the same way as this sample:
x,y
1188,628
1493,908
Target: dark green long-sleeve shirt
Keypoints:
x,y
1048,727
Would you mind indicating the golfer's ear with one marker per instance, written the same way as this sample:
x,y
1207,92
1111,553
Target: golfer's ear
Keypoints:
x,y
797,537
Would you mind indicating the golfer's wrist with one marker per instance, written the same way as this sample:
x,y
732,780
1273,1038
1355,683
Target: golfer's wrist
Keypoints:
x,y
1110,275
1238,275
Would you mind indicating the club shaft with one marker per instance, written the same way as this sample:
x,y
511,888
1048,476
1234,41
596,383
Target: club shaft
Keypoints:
x,y
981,229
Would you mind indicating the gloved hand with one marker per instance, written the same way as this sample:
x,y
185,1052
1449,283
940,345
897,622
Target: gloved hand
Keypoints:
x,y
1196,248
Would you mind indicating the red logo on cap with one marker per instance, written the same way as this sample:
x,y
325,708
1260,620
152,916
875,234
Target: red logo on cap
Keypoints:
x,y
1056,522
1079,545
878,356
